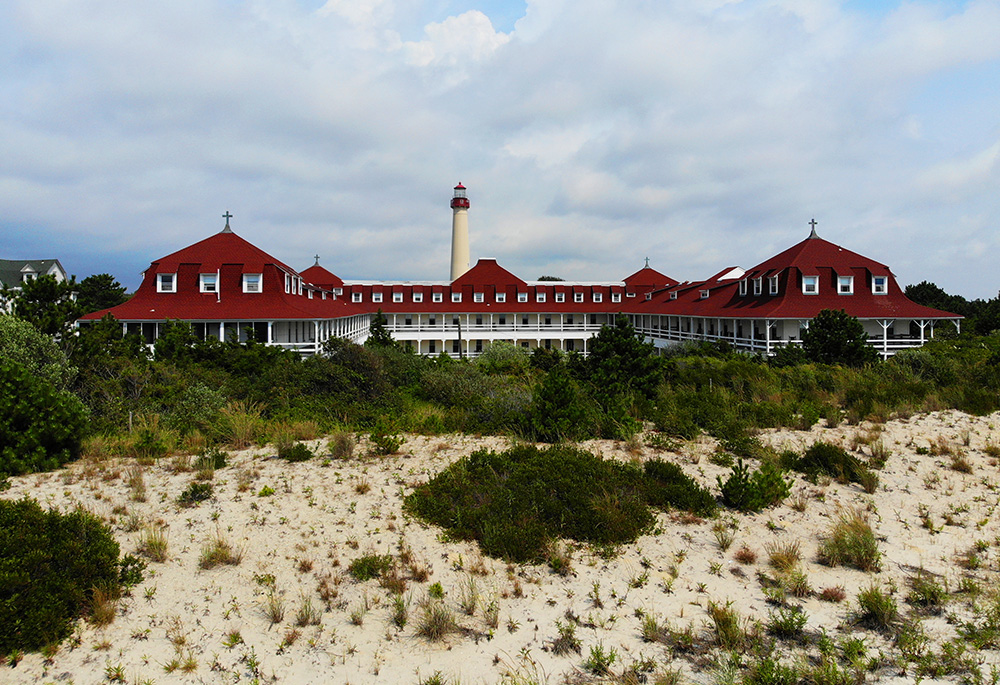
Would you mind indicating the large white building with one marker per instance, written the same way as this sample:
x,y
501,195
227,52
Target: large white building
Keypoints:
x,y
226,287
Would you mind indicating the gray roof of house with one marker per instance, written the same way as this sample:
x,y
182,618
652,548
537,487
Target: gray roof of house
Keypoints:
x,y
11,270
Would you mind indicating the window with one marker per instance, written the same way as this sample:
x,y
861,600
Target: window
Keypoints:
x,y
166,283
569,345
209,283
845,285
454,321
758,285
288,283
539,297
397,297
598,297
432,321
704,294
356,297
616,297
880,285
501,297
810,285
560,297
773,284
431,347
743,287
548,320
524,320
300,281
569,319
578,297
477,297
454,347
251,283
408,320
479,320
456,297
673,295
522,297
376,297
437,297
418,297
310,293
503,320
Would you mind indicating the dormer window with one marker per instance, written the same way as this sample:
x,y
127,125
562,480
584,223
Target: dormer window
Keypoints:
x,y
598,297
310,293
758,285
810,285
845,285
560,297
501,297
616,297
288,283
773,284
397,297
743,288
456,297
251,283
376,297
539,297
166,283
704,294
418,297
522,297
477,297
578,297
880,285
437,297
209,283
673,294
356,297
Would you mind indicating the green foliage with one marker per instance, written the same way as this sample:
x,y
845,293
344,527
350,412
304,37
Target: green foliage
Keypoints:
x,y
296,452
755,491
504,358
835,337
620,363
194,494
48,304
669,486
50,565
831,460
23,343
558,408
384,442
100,291
378,334
370,566
515,501
876,609
40,426
851,542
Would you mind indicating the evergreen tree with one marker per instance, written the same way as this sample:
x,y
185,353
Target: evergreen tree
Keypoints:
x,y
48,304
836,337
100,291
378,334
620,362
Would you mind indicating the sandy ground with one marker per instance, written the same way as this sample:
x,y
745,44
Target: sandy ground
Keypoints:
x,y
323,514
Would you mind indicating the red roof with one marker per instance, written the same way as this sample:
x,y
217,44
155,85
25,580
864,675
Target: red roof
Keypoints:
x,y
321,277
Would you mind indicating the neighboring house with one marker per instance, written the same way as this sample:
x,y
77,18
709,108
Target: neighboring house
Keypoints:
x,y
226,287
15,272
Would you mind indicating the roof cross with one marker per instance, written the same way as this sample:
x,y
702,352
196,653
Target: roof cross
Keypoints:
x,y
647,262
812,224
227,216
316,257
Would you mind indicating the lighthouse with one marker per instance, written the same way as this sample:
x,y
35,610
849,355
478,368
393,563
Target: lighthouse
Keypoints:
x,y
459,232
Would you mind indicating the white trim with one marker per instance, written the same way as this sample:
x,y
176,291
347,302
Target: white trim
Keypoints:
x,y
758,285
456,297
845,281
397,297
477,297
166,283
616,297
539,297
880,288
255,280
376,297
743,287
578,297
357,297
501,297
810,280
598,297
772,284
437,297
522,297
560,297
208,283
418,297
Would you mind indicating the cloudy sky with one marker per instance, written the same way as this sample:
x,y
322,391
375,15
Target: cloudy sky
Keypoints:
x,y
591,134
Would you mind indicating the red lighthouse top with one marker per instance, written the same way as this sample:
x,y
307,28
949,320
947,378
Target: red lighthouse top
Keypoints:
x,y
460,200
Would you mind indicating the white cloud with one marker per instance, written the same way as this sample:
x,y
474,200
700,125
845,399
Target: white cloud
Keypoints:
x,y
469,37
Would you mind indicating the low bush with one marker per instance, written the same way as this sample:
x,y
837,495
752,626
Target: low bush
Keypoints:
x,y
755,491
52,564
669,486
195,493
851,542
296,452
876,609
833,461
370,566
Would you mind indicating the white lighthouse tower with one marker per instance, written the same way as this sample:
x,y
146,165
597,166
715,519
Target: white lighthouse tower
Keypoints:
x,y
459,232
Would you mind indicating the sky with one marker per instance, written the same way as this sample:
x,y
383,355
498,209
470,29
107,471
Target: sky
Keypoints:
x,y
590,134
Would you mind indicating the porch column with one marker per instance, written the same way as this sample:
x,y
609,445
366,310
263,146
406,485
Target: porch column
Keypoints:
x,y
885,323
767,336
923,324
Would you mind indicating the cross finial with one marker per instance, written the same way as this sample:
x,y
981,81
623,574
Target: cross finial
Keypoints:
x,y
647,262
812,224
316,257
227,216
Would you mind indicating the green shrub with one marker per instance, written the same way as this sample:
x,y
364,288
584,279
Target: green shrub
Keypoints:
x,y
41,427
50,565
669,486
559,409
385,443
195,493
370,566
515,501
755,491
22,343
211,458
833,461
297,452
876,609
851,542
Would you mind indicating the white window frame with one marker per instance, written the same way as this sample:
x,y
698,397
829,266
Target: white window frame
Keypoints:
x,y
673,294
501,297
578,297
772,282
743,287
357,297
397,297
522,297
560,297
616,297
810,280
539,297
418,297
288,283
704,294
758,285
477,297
880,285
845,281
208,283
310,293
598,297
255,280
456,297
376,297
437,297
163,286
